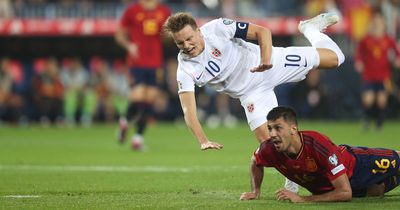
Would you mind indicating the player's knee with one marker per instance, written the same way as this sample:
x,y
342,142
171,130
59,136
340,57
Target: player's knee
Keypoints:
x,y
340,58
330,58
337,58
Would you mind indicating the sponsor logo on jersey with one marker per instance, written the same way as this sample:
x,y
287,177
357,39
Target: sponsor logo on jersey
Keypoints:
x,y
333,160
337,169
250,107
198,77
216,53
227,21
311,166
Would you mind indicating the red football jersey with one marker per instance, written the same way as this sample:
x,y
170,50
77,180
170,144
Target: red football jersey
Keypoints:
x,y
144,28
319,162
373,53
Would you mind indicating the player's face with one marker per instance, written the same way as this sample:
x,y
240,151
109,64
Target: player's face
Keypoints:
x,y
189,40
281,134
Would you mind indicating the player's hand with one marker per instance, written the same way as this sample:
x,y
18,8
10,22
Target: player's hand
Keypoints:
x,y
397,63
249,196
133,50
211,145
261,68
284,194
359,66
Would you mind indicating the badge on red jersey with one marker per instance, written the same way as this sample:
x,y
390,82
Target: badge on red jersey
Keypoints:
x,y
311,166
333,160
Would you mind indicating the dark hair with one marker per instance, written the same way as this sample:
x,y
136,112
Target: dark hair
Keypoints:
x,y
178,21
287,113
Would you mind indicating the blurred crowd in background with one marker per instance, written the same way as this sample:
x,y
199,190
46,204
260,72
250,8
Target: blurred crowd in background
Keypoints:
x,y
39,83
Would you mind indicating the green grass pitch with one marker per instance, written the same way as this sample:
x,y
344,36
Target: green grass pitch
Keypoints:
x,y
85,168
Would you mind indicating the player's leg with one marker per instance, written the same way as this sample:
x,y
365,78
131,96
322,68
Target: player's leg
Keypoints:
x,y
256,106
261,132
136,110
90,101
381,102
393,181
329,52
145,105
70,106
367,100
146,110
376,170
133,109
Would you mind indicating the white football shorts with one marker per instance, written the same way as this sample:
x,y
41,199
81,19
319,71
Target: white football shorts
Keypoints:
x,y
290,64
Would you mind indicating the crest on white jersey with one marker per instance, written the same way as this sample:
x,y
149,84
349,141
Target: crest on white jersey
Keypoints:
x,y
216,53
250,107
227,21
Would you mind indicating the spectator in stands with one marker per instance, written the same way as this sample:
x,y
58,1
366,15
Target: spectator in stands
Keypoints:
x,y
167,106
372,61
309,96
101,82
139,33
78,96
6,10
11,103
120,81
48,91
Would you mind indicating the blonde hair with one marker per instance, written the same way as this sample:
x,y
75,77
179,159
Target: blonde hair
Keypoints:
x,y
178,21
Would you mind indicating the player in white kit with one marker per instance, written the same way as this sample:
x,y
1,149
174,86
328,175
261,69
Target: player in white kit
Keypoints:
x,y
217,54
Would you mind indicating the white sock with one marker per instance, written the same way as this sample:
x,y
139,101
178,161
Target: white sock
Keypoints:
x,y
321,40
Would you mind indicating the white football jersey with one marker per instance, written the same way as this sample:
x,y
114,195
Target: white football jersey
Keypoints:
x,y
225,62
225,66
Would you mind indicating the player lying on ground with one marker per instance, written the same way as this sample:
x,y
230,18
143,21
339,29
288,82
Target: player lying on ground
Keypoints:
x,y
312,160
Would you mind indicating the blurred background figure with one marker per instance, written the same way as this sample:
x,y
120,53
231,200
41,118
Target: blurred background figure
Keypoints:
x,y
120,85
215,109
373,61
310,97
6,9
11,103
48,91
78,97
167,106
139,33
101,82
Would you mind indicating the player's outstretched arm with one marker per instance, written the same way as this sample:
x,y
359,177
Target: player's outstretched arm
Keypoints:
x,y
188,103
342,192
256,176
264,39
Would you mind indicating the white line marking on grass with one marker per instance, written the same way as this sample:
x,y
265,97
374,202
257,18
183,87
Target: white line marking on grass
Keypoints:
x,y
22,196
153,169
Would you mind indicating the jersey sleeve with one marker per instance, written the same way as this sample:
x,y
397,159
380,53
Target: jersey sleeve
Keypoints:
x,y
260,156
228,28
328,155
185,81
125,20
